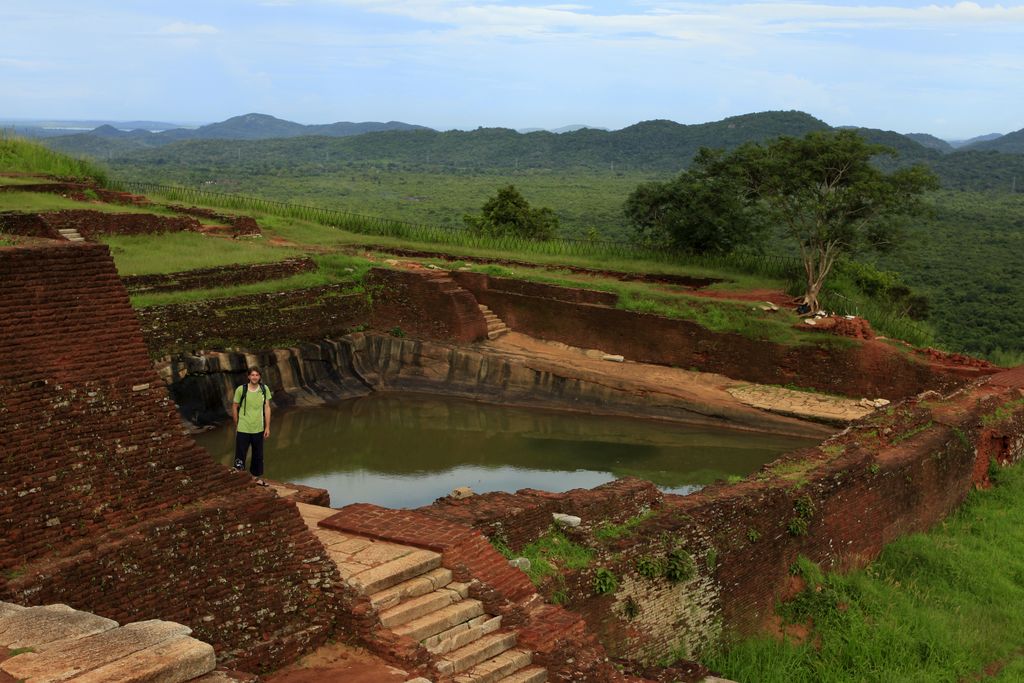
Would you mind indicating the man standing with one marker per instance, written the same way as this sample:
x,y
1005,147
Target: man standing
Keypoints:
x,y
251,409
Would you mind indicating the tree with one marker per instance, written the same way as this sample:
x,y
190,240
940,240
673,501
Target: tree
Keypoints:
x,y
508,213
703,210
826,194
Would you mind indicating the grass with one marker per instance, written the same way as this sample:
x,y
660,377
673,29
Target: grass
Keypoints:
x,y
939,606
25,156
33,202
331,270
717,315
178,251
549,554
607,531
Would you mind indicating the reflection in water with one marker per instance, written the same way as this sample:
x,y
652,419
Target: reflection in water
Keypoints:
x,y
401,450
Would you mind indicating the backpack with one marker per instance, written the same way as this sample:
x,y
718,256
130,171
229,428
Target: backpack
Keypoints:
x,y
245,392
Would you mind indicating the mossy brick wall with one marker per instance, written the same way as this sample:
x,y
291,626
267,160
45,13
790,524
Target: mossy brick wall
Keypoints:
x,y
26,225
478,283
107,505
423,308
847,368
743,540
394,300
207,278
254,321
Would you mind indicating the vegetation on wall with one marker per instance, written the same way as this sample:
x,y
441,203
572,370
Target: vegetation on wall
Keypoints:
x,y
941,606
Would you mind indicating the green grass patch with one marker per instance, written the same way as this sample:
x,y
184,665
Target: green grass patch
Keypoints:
x,y
300,281
607,531
550,554
19,155
331,269
939,606
1002,413
172,252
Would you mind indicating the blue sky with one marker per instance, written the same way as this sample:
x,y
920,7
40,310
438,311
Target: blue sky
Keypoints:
x,y
952,69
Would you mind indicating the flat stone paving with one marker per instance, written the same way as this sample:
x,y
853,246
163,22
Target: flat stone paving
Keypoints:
x,y
802,404
61,643
353,554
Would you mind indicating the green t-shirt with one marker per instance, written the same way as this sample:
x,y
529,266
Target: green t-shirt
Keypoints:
x,y
250,414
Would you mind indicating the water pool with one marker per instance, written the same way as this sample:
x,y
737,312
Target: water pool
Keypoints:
x,y
405,450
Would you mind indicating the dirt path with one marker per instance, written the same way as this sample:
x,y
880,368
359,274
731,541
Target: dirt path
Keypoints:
x,y
338,663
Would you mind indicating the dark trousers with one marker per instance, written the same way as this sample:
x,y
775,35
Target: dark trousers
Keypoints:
x,y
242,443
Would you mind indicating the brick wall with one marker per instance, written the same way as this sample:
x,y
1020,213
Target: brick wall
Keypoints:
x,y
898,472
255,321
395,300
205,278
853,369
559,639
107,505
422,308
478,283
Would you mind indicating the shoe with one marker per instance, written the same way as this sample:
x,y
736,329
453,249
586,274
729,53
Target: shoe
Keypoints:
x,y
260,482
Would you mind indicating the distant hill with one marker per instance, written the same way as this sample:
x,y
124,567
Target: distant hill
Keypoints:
x,y
981,138
660,146
1011,143
650,145
930,141
245,127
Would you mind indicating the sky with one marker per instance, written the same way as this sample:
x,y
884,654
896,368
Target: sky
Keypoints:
x,y
955,70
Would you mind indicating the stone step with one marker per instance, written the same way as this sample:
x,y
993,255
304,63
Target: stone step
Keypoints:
x,y
494,334
531,674
414,608
496,324
478,651
414,587
462,634
392,573
441,620
36,626
174,661
496,668
64,659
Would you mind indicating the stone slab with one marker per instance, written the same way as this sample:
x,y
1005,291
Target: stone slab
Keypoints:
x,y
8,608
64,659
174,661
36,626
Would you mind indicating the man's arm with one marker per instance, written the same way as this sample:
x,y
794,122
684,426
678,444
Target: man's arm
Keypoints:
x,y
266,418
234,413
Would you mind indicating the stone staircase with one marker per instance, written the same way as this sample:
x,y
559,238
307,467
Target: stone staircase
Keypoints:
x,y
495,325
468,645
442,280
71,235
415,597
57,643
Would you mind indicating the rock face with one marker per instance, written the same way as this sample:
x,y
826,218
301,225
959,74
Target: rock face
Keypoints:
x,y
314,374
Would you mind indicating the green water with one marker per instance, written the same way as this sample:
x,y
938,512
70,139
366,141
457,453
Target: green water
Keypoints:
x,y
401,450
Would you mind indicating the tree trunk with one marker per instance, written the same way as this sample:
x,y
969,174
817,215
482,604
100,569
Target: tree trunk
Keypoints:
x,y
817,264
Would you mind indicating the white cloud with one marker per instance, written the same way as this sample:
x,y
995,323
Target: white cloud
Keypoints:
x,y
181,28
700,21
24,64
